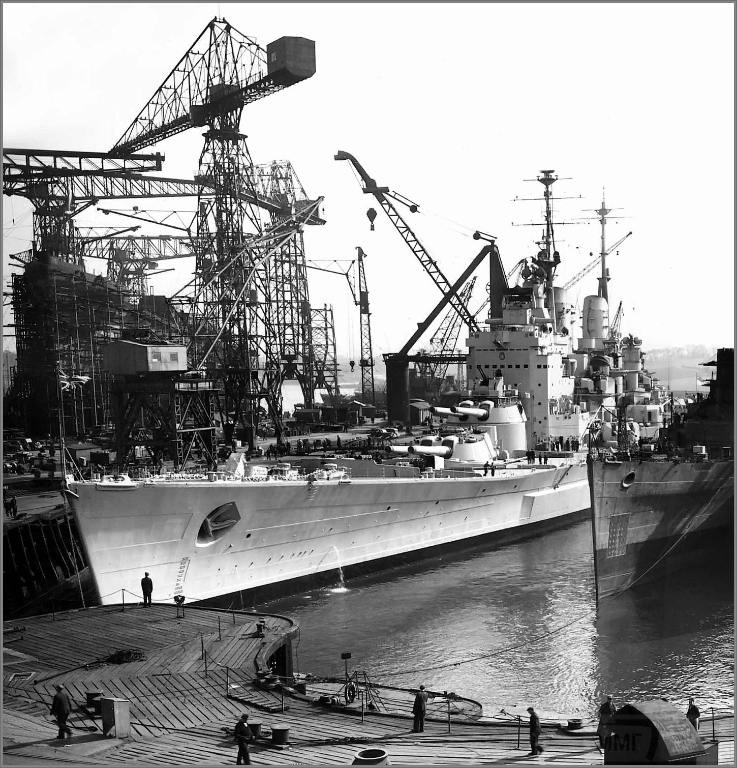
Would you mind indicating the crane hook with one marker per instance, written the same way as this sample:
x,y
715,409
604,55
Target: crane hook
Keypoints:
x,y
371,213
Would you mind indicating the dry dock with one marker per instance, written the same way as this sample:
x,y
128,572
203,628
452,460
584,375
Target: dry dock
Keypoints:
x,y
176,672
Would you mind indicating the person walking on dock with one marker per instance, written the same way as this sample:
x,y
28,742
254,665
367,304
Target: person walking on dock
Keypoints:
x,y
606,716
147,587
535,731
61,708
693,714
243,736
419,709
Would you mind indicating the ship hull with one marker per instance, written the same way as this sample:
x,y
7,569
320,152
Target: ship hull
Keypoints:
x,y
652,518
276,533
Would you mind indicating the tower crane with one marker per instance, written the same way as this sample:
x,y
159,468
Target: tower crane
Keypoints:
x,y
221,73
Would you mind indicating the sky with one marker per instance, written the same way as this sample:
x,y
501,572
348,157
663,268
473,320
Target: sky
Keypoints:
x,y
456,106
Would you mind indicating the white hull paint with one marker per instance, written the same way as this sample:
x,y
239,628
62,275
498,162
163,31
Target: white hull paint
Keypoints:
x,y
288,529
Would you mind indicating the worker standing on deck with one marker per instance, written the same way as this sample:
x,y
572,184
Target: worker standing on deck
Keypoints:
x,y
419,709
243,736
61,708
535,731
147,587
606,716
693,714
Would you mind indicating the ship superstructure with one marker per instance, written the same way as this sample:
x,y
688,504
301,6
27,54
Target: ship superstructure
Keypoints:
x,y
529,340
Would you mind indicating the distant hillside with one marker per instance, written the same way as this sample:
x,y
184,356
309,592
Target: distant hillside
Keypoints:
x,y
679,367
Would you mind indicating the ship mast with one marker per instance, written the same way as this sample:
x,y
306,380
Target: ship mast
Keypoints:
x,y
547,180
603,212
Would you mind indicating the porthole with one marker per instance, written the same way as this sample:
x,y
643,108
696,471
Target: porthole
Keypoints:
x,y
628,479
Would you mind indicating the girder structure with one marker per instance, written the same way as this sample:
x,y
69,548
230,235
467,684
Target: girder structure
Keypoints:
x,y
323,344
237,279
46,179
221,72
382,195
445,338
61,184
173,418
131,259
361,300
230,310
288,327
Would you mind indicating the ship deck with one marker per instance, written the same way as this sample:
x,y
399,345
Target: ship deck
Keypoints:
x,y
179,709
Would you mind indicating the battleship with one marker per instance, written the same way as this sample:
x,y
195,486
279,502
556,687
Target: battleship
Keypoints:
x,y
252,525
661,505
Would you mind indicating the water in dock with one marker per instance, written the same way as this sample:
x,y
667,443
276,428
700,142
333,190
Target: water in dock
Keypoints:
x,y
527,614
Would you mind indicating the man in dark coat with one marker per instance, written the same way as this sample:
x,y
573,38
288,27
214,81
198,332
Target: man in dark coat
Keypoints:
x,y
61,707
535,731
147,587
606,716
693,714
243,736
419,708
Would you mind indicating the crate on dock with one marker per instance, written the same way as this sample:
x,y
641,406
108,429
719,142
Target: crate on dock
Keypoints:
x,y
116,716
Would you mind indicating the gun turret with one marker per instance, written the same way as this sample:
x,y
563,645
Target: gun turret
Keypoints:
x,y
479,413
443,451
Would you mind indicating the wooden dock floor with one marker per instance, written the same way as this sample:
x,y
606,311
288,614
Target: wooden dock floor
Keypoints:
x,y
179,705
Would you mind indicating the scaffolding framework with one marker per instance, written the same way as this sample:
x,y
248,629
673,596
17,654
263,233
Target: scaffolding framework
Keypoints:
x,y
171,417
64,316
323,344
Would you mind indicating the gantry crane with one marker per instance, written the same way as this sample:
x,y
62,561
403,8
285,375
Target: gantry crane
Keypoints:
x,y
238,334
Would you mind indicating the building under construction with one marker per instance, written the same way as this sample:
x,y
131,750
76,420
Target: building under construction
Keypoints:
x,y
244,318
